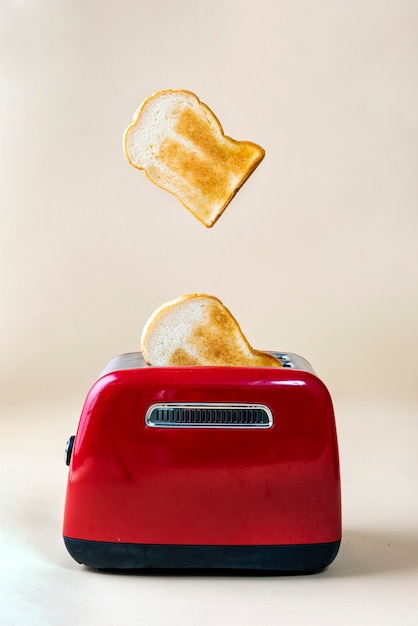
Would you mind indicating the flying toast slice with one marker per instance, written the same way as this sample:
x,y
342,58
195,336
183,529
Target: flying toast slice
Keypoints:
x,y
197,329
181,146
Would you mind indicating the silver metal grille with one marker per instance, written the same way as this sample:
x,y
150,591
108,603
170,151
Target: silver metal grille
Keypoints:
x,y
209,415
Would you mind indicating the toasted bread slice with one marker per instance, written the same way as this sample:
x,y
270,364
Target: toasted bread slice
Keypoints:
x,y
197,329
180,144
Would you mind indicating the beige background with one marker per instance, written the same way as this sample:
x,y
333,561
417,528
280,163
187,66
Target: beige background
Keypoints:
x,y
318,252
317,255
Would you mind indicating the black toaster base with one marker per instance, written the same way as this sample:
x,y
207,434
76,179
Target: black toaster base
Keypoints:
x,y
299,558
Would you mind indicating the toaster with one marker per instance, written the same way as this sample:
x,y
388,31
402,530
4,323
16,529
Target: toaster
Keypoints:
x,y
204,467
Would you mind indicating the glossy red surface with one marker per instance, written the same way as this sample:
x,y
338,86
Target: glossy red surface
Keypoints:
x,y
132,483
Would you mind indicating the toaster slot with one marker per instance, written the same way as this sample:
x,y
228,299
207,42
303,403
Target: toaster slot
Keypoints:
x,y
285,359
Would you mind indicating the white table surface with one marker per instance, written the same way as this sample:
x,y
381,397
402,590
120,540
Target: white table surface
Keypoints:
x,y
374,579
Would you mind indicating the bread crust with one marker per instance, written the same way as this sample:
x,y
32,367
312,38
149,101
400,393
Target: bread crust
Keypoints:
x,y
193,158
198,330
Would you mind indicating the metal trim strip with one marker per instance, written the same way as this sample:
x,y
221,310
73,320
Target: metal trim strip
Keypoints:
x,y
152,422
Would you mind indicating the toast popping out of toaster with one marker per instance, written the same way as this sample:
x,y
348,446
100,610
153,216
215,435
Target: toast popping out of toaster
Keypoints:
x,y
204,467
180,144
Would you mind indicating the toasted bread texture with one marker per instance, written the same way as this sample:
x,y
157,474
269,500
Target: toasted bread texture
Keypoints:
x,y
197,329
180,144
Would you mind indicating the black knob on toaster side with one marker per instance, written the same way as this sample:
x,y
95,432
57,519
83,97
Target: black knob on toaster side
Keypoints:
x,y
69,449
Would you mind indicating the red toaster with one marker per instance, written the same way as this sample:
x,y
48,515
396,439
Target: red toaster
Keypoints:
x,y
205,467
